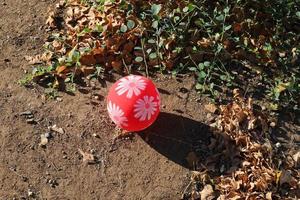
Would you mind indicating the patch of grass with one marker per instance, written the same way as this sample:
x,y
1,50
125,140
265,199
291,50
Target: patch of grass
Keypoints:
x,y
249,44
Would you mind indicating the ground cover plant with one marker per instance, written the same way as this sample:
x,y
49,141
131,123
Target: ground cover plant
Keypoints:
x,y
246,44
253,45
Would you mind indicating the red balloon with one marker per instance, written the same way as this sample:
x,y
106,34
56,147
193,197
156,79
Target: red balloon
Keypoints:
x,y
133,103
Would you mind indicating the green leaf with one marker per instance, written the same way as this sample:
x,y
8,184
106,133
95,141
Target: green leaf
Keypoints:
x,y
73,55
67,80
130,24
199,22
139,59
227,28
155,9
138,48
149,51
84,31
123,28
193,69
226,10
298,14
206,63
152,56
202,74
176,19
223,77
220,18
185,9
151,41
191,7
199,86
201,66
155,24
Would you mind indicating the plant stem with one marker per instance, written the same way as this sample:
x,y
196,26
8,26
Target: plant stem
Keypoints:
x,y
144,55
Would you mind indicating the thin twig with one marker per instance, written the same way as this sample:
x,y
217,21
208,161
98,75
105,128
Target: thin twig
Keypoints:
x,y
186,188
143,50
126,67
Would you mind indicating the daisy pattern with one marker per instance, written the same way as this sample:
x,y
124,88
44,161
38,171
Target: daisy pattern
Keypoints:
x,y
145,108
131,85
117,114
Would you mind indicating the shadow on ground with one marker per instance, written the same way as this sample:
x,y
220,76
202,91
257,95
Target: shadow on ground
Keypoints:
x,y
192,144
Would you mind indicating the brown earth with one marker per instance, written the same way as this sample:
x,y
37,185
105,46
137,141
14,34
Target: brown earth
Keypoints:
x,y
146,166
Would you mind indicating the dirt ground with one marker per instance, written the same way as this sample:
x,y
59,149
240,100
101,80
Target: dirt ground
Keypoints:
x,y
141,167
148,165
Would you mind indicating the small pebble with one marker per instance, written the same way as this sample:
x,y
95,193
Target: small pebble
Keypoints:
x,y
30,193
48,135
273,124
278,145
44,140
183,90
26,113
31,121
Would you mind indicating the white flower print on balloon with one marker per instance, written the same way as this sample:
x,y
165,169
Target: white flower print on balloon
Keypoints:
x,y
145,108
117,114
131,85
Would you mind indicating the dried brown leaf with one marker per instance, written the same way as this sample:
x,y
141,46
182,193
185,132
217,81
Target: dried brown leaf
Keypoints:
x,y
88,59
269,196
60,69
207,193
211,108
195,195
57,129
87,157
204,42
285,177
34,59
296,158
87,70
51,20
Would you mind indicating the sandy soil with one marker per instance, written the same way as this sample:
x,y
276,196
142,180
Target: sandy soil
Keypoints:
x,y
145,166
149,165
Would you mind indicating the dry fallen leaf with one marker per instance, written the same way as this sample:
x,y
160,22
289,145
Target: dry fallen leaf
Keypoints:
x,y
207,193
88,59
269,196
87,70
237,27
51,20
211,107
56,129
87,157
296,158
285,177
33,59
204,42
60,69
195,195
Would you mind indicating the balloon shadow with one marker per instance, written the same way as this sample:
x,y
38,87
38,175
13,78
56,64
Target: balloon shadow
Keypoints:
x,y
192,144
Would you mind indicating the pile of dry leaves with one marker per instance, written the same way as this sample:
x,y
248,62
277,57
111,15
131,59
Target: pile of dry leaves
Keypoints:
x,y
88,39
253,166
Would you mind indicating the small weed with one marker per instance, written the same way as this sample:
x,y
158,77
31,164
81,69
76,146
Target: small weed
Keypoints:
x,y
251,44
